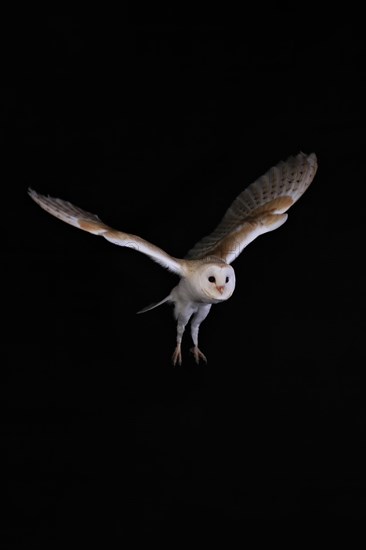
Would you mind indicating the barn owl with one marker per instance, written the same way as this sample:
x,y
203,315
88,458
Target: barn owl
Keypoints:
x,y
206,274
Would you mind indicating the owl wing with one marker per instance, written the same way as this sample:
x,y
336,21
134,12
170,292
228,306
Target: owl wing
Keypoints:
x,y
86,221
258,209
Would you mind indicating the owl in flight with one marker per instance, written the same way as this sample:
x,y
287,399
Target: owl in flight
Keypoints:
x,y
206,275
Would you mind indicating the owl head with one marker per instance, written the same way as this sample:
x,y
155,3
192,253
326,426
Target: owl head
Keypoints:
x,y
215,281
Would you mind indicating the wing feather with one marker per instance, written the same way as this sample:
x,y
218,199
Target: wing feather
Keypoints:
x,y
73,215
260,208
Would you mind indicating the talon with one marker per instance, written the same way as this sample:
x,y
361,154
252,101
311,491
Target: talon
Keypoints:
x,y
197,353
177,356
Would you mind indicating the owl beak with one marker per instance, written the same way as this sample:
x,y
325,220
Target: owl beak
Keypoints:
x,y
220,288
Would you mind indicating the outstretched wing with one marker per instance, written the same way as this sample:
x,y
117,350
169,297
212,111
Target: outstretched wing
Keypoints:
x,y
77,217
258,209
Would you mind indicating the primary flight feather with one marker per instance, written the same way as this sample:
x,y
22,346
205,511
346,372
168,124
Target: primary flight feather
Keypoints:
x,y
206,276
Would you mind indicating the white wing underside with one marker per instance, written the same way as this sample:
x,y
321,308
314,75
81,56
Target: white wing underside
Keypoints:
x,y
258,209
91,223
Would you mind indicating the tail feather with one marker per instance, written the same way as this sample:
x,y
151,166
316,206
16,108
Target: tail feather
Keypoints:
x,y
152,306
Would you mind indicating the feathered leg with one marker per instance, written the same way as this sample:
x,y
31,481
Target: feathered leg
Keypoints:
x,y
197,319
183,317
177,355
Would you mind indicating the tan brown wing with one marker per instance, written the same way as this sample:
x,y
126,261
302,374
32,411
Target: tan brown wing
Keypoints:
x,y
260,208
91,223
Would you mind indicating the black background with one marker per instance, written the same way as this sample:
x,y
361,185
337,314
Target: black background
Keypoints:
x,y
156,122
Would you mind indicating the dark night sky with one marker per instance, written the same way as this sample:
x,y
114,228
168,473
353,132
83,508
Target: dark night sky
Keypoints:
x,y
156,126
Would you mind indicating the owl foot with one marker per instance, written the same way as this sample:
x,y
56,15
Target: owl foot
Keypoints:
x,y
177,356
197,353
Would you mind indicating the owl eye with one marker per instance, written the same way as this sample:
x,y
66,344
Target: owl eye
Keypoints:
x,y
212,279
227,280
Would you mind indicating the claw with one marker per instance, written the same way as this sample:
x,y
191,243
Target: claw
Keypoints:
x,y
177,356
197,353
